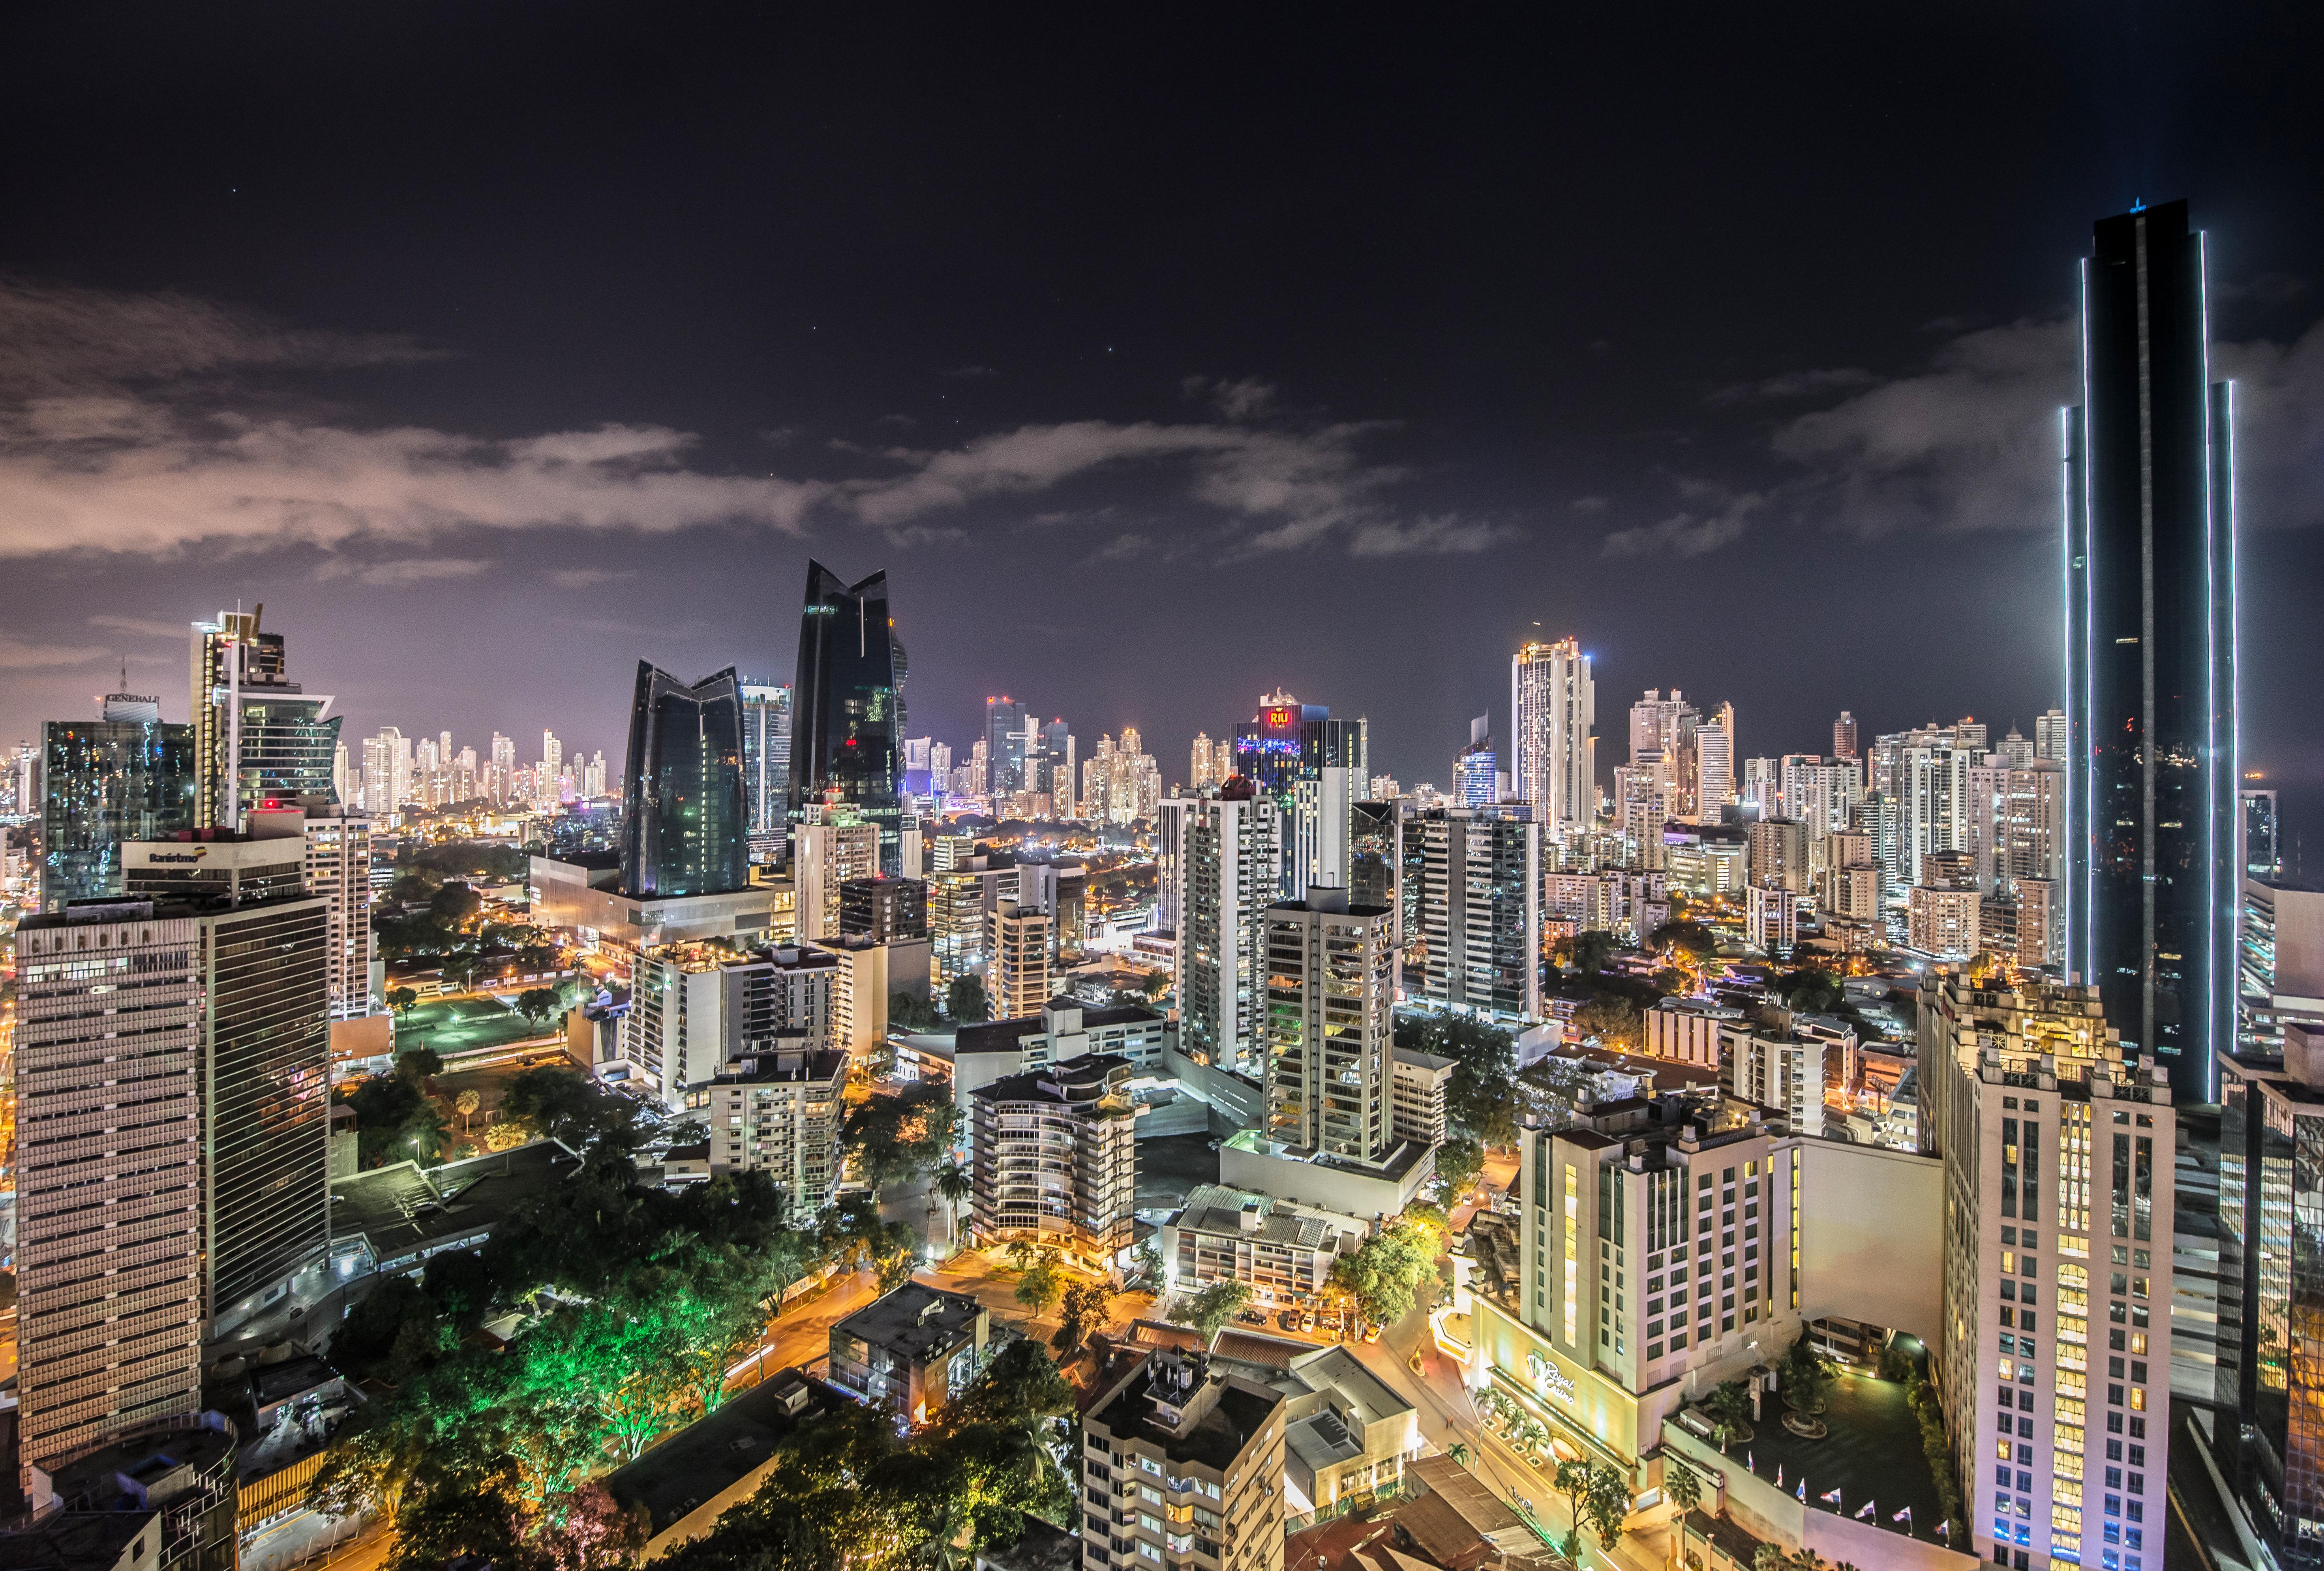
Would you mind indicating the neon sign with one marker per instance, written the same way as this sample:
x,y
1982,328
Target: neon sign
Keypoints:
x,y
1546,1373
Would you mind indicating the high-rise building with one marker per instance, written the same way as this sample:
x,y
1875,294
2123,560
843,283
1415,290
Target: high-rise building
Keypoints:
x,y
1714,764
2058,1172
1004,745
1017,981
257,735
1330,1001
766,768
1763,789
1554,719
683,813
109,1173
1776,1066
777,1111
1287,742
1934,804
337,871
848,718
1474,770
2259,835
1822,796
1223,852
1779,855
1844,736
829,846
2151,650
1476,943
1054,1157
1204,767
593,782
2050,735
1376,857
105,782
503,777
1214,1440
387,770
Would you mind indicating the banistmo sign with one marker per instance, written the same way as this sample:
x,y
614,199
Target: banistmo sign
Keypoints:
x,y
176,855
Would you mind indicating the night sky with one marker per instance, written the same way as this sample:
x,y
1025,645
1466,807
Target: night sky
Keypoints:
x,y
496,347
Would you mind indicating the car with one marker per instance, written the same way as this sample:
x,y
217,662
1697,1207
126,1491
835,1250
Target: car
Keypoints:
x,y
1307,1321
1252,1317
1373,1333
1289,1320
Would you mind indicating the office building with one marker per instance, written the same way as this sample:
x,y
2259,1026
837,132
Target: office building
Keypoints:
x,y
883,910
1330,997
2259,835
1476,943
1474,770
848,717
683,817
2058,1174
1224,855
1207,1445
1023,939
1771,920
1843,737
1054,1157
1285,743
1004,747
2151,643
2280,976
338,872
102,783
766,769
911,1351
778,1112
256,735
1778,852
109,1217
831,847
1375,856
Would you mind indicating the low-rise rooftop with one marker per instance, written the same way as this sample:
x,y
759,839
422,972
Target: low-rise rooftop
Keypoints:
x,y
913,1322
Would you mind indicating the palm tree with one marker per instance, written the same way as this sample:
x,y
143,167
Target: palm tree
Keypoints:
x,y
465,1103
953,1183
1462,1456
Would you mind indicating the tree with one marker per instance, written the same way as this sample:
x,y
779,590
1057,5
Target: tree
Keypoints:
x,y
893,1270
1209,1309
1729,1409
1681,1484
465,1104
461,969
1592,950
536,1005
1040,1286
1571,1480
1085,1311
952,1185
895,1136
1462,1456
391,1114
909,1012
1479,1097
1614,1022
401,999
416,1064
965,1001
1686,938
1459,1163
455,905
1387,1275
1606,1503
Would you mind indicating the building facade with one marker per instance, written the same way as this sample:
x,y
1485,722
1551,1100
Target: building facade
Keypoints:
x,y
778,1113
1184,1461
105,782
2151,650
1331,999
848,719
1224,853
684,823
1478,935
1054,1157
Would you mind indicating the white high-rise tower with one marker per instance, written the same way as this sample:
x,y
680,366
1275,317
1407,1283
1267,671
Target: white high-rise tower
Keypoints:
x,y
1554,708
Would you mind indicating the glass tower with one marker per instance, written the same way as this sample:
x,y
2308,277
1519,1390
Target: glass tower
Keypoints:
x,y
767,768
684,818
847,713
107,782
2150,613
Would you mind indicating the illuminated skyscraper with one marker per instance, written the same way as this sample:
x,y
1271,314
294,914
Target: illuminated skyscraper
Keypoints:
x,y
252,725
1843,735
1474,770
106,781
1554,714
847,707
1004,745
683,823
2150,652
767,767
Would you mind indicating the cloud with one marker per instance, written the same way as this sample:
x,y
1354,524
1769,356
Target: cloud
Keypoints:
x,y
58,338
403,573
142,624
583,577
17,654
1971,443
1120,549
1429,537
1590,504
969,373
1719,518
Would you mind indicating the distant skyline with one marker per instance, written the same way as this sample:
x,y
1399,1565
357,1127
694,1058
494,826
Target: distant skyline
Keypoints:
x,y
1159,367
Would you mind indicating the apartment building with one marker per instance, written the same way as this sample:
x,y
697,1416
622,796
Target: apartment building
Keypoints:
x,y
1182,1465
1054,1157
778,1112
1421,1082
1280,1250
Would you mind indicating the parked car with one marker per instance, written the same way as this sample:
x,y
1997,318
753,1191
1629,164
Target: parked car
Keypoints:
x,y
1289,1320
1307,1321
1373,1333
1252,1317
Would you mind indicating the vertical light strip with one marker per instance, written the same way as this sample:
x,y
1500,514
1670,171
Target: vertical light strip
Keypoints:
x,y
2088,760
2066,642
2215,975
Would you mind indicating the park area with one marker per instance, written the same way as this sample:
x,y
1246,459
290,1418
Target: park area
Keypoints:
x,y
480,1023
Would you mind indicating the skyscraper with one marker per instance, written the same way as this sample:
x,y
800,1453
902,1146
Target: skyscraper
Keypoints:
x,y
1224,853
106,781
1554,714
1004,745
683,814
1474,770
1330,998
2150,651
1843,735
767,768
1477,940
847,707
256,735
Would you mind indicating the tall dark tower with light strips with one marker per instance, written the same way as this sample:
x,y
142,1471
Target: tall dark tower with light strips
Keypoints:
x,y
2150,614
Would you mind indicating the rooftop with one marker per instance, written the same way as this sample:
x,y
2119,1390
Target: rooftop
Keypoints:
x,y
1083,1082
76,1541
915,1321
1872,1455
782,1067
999,1036
1213,1441
712,1453
402,1208
1216,1209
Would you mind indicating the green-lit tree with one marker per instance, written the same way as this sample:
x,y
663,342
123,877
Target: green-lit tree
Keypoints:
x,y
1209,1308
537,1004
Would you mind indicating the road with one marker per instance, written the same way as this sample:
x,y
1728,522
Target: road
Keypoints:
x,y
1448,1416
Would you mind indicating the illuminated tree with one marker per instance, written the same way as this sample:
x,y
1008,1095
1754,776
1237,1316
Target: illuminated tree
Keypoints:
x,y
1209,1309
465,1104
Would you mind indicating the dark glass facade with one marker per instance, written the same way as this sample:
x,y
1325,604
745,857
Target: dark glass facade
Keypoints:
x,y
266,1090
287,751
106,781
684,820
2150,610
2271,1348
847,710
1004,746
